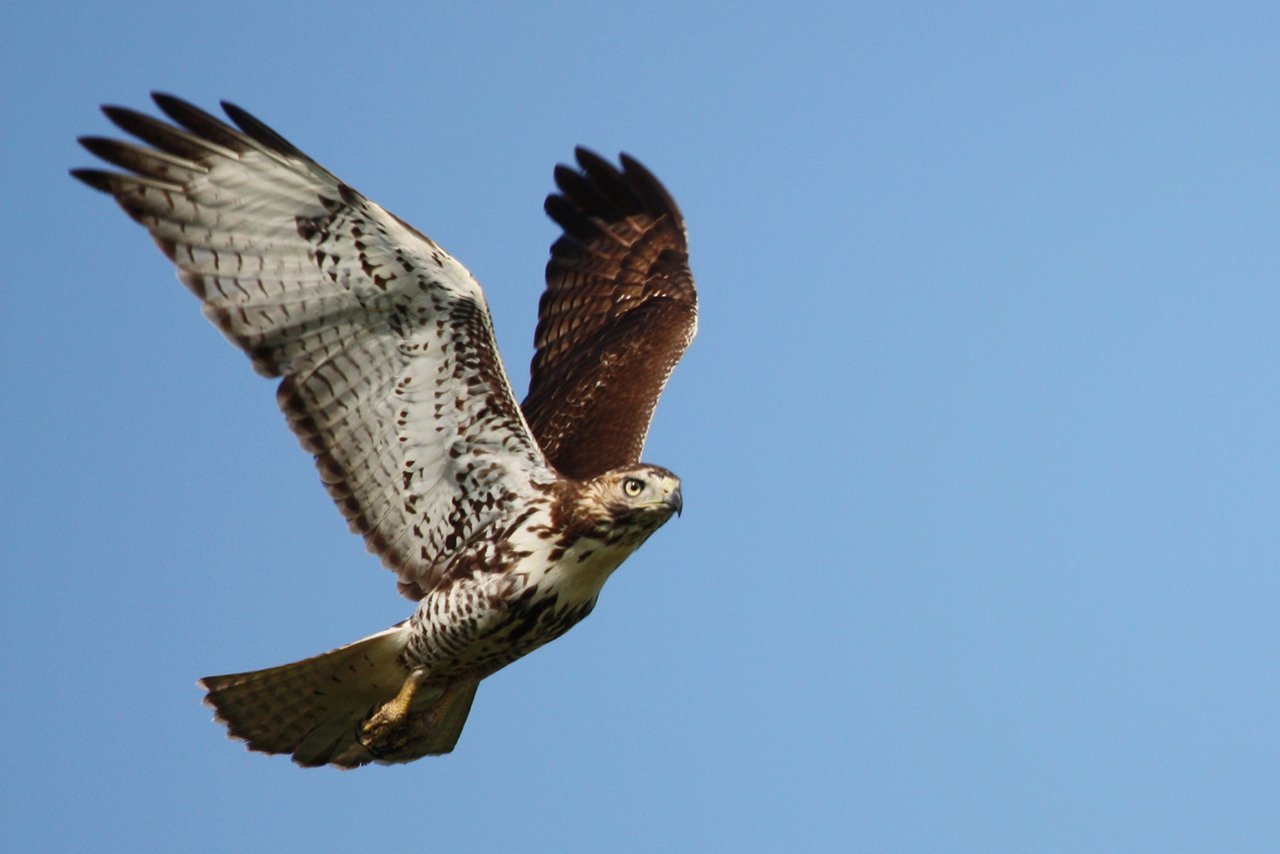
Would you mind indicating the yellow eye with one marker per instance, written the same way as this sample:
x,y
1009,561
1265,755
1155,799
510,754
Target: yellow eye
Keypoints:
x,y
633,486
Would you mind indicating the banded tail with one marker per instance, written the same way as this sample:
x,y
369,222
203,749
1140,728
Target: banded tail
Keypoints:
x,y
319,709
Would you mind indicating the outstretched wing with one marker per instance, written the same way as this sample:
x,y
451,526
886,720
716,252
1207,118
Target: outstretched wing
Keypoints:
x,y
391,376
619,311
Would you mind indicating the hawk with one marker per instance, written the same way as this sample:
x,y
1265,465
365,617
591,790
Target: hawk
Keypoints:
x,y
502,521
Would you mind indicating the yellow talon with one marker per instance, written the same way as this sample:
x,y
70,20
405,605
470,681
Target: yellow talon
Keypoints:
x,y
392,715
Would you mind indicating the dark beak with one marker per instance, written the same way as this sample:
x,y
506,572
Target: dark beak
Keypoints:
x,y
675,501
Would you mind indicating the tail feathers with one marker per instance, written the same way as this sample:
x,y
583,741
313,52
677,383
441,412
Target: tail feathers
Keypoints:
x,y
314,709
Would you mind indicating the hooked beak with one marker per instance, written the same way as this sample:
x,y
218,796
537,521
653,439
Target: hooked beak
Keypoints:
x,y
674,500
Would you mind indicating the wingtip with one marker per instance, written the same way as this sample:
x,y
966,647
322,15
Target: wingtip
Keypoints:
x,y
96,145
581,153
260,130
626,186
173,106
187,114
645,183
631,165
591,162
161,97
115,112
95,178
231,108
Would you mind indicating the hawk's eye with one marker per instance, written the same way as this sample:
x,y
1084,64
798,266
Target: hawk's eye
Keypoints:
x,y
633,486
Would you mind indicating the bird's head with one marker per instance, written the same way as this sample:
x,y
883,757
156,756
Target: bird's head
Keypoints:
x,y
625,505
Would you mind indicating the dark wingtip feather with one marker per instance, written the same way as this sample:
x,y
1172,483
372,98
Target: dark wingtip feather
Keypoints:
x,y
183,112
123,117
631,189
580,191
646,184
260,131
99,180
571,219
196,120
589,160
113,151
157,133
590,190
167,102
598,191
96,145
607,180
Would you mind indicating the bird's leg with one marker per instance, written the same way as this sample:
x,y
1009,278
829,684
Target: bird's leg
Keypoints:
x,y
380,730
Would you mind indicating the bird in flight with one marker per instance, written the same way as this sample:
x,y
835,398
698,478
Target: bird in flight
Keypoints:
x,y
502,521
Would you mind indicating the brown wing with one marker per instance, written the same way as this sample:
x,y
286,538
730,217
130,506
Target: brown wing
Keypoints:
x,y
619,311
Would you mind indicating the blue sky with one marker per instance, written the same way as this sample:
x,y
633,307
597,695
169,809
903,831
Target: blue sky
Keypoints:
x,y
978,438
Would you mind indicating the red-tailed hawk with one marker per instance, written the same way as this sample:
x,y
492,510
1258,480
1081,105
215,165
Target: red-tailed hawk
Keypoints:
x,y
502,521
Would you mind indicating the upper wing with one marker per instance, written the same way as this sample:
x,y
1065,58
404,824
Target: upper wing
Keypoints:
x,y
391,374
618,313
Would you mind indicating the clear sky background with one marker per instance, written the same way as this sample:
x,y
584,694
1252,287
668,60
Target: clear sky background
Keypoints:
x,y
980,437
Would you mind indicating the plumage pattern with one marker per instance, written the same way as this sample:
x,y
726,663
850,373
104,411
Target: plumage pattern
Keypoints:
x,y
383,340
390,377
618,313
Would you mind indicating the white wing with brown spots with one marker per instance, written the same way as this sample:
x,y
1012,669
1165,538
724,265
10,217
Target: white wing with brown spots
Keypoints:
x,y
391,376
